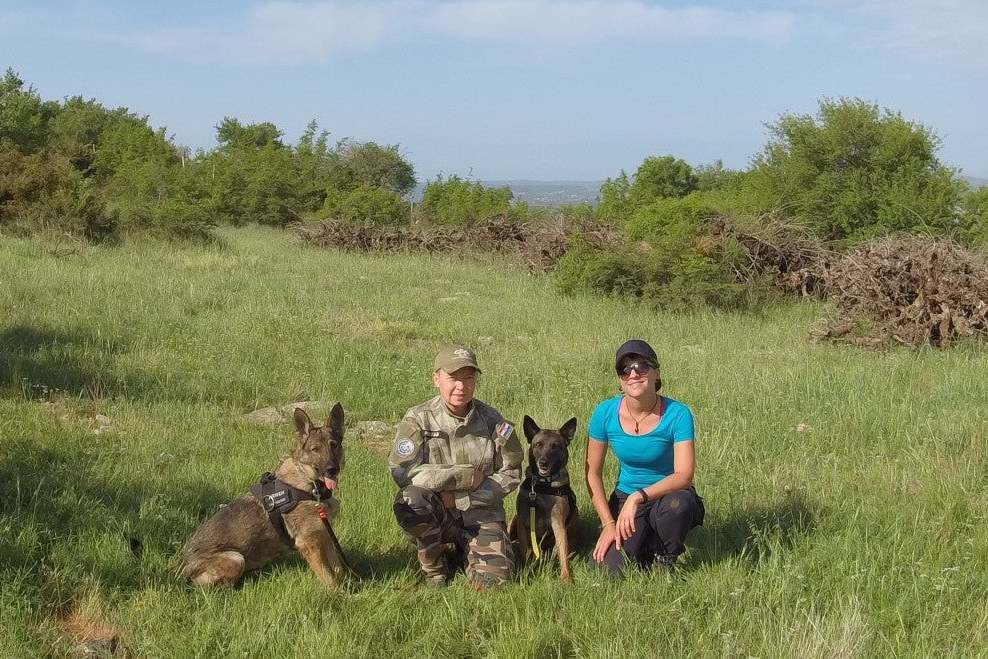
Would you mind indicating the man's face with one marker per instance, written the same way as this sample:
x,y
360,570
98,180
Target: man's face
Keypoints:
x,y
456,388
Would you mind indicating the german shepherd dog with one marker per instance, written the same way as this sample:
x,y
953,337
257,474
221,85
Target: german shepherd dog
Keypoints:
x,y
250,532
547,491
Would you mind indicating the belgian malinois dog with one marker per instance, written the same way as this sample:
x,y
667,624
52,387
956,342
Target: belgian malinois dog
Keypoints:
x,y
547,492
252,531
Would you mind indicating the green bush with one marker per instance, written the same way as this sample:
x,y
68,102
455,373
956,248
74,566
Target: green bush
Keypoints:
x,y
681,270
367,206
456,202
657,178
678,219
976,216
43,192
855,171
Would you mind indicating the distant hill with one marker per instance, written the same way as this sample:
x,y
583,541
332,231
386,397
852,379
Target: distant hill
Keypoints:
x,y
542,193
558,193
551,193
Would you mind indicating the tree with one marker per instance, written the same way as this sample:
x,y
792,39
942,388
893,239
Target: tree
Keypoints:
x,y
855,171
370,164
716,177
615,203
661,178
23,115
231,134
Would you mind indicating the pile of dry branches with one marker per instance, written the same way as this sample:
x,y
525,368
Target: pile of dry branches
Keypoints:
x,y
788,253
539,247
911,290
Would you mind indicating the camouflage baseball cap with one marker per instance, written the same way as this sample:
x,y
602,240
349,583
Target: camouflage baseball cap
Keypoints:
x,y
453,358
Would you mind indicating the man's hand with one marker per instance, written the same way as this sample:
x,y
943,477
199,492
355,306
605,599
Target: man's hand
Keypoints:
x,y
449,499
478,477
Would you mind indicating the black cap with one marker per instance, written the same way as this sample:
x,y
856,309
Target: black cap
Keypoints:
x,y
636,347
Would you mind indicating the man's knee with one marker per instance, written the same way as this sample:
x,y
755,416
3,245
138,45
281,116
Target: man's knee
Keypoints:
x,y
415,497
491,559
414,509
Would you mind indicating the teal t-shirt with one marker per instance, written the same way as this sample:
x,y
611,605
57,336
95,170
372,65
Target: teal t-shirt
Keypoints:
x,y
644,459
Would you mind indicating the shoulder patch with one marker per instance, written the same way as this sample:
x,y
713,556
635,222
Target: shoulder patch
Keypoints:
x,y
504,430
404,447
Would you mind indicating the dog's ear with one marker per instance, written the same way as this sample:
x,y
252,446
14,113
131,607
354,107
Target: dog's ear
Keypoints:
x,y
303,424
568,430
335,422
531,428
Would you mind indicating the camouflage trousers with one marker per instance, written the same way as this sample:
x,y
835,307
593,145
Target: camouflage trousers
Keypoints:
x,y
431,528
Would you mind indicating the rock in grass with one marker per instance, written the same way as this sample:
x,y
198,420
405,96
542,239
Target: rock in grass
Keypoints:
x,y
264,416
278,415
375,435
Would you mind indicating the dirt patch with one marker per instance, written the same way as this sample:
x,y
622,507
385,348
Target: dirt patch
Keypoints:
x,y
911,290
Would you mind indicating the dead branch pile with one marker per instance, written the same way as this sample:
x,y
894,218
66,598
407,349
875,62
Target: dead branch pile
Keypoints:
x,y
912,290
539,247
787,253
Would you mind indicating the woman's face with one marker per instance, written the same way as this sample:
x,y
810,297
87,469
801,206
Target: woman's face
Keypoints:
x,y
637,376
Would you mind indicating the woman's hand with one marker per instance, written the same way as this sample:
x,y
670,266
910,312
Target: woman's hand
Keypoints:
x,y
608,536
626,519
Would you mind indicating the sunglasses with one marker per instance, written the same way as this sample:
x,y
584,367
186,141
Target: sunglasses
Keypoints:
x,y
639,367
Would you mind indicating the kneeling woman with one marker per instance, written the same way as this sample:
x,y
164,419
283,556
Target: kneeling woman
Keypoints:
x,y
654,504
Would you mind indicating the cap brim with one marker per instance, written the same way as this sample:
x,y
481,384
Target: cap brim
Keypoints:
x,y
459,364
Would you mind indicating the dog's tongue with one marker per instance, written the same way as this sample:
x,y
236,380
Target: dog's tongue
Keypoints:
x,y
330,483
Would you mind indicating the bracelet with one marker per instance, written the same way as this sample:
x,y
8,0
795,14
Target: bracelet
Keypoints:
x,y
644,495
606,524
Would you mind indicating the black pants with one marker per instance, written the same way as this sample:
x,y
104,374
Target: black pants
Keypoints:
x,y
661,527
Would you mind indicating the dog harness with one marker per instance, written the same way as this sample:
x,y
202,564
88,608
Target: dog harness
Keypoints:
x,y
550,485
279,498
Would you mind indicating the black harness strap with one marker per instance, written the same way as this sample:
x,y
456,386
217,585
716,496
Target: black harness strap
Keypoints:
x,y
278,498
551,485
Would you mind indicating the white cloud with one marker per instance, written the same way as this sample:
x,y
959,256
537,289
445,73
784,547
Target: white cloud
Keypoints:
x,y
938,29
591,20
291,32
279,32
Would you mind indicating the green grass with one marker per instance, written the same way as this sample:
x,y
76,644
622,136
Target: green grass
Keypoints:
x,y
864,535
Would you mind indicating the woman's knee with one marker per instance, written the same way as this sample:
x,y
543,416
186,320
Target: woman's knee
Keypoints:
x,y
681,504
612,565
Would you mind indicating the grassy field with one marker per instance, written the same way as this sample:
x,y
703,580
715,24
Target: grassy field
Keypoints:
x,y
864,534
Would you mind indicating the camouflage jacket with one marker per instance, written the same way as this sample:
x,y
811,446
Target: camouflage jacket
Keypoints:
x,y
439,451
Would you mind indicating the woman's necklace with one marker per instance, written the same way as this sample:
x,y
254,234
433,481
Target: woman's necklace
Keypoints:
x,y
642,417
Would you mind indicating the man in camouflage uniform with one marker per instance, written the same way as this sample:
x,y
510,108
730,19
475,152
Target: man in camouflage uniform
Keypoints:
x,y
455,458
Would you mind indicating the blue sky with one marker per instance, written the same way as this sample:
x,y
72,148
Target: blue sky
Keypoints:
x,y
508,89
